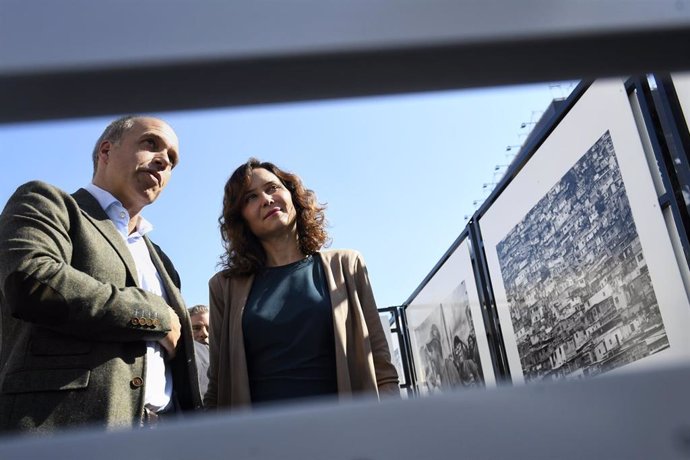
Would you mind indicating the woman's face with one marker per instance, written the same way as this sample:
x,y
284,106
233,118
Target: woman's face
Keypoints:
x,y
267,206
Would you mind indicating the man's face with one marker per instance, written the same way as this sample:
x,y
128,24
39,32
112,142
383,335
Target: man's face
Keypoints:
x,y
137,168
200,327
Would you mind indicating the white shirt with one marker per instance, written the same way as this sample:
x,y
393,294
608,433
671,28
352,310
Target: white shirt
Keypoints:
x,y
158,378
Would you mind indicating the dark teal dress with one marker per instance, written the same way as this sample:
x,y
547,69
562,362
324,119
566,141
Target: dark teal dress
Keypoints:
x,y
288,333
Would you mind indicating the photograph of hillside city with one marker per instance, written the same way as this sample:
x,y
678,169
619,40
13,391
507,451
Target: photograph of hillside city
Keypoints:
x,y
577,283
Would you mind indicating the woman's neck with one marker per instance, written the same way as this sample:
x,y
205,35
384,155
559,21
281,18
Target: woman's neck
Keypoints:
x,y
282,252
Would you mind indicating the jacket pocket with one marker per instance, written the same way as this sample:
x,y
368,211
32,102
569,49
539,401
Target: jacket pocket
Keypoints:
x,y
53,344
29,381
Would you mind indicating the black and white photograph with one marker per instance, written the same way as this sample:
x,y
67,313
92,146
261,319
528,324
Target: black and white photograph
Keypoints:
x,y
467,370
448,298
433,352
585,277
581,301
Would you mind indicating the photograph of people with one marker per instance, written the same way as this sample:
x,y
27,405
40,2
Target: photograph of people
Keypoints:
x,y
288,319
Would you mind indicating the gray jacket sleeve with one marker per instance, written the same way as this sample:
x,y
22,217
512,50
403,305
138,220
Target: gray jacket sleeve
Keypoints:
x,y
59,271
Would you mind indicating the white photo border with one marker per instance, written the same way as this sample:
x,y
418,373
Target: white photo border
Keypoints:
x,y
604,106
456,269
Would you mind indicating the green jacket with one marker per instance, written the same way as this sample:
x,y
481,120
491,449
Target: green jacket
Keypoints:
x,y
72,349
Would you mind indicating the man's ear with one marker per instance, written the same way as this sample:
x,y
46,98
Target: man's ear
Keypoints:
x,y
104,150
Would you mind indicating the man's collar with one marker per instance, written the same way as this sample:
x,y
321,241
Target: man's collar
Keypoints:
x,y
106,200
104,197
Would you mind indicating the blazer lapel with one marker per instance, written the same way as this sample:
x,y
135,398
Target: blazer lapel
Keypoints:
x,y
339,302
240,288
174,295
94,213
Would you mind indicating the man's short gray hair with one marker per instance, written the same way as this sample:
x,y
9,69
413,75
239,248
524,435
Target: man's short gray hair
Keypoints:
x,y
198,310
113,133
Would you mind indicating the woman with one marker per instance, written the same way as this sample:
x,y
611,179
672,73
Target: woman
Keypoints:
x,y
287,320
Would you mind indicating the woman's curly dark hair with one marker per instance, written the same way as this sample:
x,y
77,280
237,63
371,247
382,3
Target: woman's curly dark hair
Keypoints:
x,y
243,253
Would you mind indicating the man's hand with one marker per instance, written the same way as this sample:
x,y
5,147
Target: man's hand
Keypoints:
x,y
169,342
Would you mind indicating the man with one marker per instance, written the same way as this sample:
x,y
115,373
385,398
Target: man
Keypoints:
x,y
94,328
467,369
473,354
437,375
198,314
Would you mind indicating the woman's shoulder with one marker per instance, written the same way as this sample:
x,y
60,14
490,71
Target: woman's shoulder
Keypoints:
x,y
340,254
223,282
221,278
348,260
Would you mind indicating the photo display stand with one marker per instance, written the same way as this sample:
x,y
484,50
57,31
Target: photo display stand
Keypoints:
x,y
671,102
580,261
448,340
393,327
664,135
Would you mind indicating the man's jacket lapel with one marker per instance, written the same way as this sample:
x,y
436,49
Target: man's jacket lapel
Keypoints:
x,y
171,288
94,213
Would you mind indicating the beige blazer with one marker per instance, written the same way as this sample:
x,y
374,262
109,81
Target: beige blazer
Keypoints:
x,y
362,357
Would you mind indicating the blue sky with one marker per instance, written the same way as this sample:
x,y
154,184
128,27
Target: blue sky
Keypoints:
x,y
398,173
